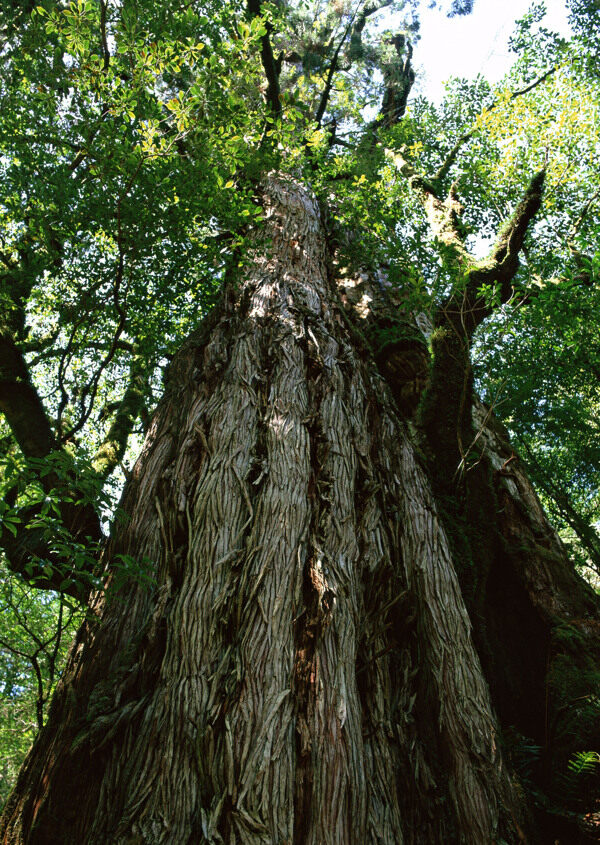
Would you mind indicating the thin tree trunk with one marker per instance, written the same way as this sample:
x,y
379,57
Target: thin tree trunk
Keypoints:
x,y
303,669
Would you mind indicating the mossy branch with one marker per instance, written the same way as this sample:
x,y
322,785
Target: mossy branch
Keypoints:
x,y
500,267
467,306
112,449
269,63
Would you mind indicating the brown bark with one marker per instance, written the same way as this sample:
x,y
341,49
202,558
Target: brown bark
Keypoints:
x,y
20,402
303,669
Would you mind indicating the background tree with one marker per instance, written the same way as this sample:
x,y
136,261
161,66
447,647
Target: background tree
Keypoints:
x,y
323,509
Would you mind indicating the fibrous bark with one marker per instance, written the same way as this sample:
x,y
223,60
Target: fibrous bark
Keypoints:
x,y
302,669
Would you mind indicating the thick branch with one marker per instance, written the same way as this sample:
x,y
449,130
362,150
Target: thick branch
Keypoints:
x,y
368,10
30,551
270,65
21,404
503,261
399,81
467,306
113,448
443,216
43,555
445,221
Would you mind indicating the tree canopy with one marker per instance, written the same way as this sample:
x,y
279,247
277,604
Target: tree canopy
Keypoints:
x,y
133,136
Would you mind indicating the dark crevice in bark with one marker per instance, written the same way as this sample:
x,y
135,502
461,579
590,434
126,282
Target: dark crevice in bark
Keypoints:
x,y
305,668
310,620
516,653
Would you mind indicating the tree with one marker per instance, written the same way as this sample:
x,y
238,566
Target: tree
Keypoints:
x,y
332,608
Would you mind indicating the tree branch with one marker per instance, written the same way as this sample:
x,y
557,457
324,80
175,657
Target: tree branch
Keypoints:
x,y
111,452
352,33
29,551
467,307
330,74
105,50
400,79
587,534
21,403
442,171
270,65
443,216
91,388
503,261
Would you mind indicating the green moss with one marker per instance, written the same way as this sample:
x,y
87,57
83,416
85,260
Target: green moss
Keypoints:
x,y
461,476
444,413
568,637
391,332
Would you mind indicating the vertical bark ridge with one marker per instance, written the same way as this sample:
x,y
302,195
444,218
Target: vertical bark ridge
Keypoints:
x,y
338,806
468,733
451,672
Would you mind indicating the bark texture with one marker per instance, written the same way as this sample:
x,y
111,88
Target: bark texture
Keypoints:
x,y
303,668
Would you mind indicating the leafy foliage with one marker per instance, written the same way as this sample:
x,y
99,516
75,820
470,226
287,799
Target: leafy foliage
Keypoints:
x,y
34,640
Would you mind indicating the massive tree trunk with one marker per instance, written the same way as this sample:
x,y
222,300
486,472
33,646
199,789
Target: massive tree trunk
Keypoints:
x,y
326,652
